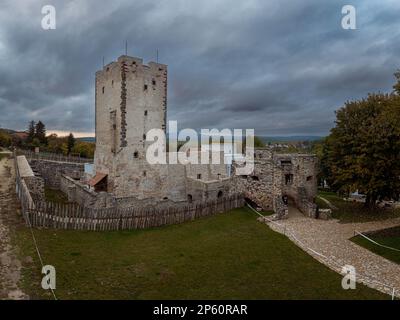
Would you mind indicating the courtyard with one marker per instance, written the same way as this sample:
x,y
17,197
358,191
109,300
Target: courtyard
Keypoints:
x,y
227,256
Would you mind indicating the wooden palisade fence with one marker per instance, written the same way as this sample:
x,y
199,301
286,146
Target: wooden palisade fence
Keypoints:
x,y
53,157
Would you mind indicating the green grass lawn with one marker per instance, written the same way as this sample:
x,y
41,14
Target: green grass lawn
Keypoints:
x,y
353,211
53,195
388,237
227,256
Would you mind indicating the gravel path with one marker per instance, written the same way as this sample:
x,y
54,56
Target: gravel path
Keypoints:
x,y
10,266
331,239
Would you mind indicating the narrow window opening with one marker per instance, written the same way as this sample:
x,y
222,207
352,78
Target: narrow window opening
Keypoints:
x,y
199,176
145,87
136,154
288,179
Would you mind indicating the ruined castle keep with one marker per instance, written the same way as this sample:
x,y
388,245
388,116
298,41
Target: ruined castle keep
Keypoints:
x,y
131,99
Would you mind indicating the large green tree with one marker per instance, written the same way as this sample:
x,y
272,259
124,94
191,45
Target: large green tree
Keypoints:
x,y
70,142
31,131
363,150
40,132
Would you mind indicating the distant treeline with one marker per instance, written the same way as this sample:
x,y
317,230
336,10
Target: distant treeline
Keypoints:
x,y
36,136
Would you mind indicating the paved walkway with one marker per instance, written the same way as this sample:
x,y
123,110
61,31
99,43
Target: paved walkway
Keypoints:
x,y
10,266
331,240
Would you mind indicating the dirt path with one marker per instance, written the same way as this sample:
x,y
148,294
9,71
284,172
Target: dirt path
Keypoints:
x,y
10,266
331,240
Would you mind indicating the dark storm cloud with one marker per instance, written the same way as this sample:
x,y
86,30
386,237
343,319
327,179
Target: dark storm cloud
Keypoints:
x,y
279,66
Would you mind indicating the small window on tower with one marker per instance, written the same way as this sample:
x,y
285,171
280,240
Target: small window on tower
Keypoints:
x,y
153,82
199,176
145,87
144,173
136,154
145,112
144,137
112,83
102,90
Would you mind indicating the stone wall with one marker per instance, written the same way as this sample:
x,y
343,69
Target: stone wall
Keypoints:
x,y
81,194
52,171
33,183
279,175
35,186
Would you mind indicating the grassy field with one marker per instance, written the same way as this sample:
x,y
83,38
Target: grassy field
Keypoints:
x,y
354,211
228,256
388,237
53,195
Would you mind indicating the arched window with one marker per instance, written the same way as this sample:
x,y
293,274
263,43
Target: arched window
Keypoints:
x,y
220,194
189,198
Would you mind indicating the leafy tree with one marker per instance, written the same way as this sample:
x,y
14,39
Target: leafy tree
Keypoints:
x,y
70,142
31,131
35,142
258,143
362,152
5,139
84,149
40,132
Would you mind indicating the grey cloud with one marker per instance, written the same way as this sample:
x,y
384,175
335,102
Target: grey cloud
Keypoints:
x,y
279,66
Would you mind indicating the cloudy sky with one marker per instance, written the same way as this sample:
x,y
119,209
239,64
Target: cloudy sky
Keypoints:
x,y
279,66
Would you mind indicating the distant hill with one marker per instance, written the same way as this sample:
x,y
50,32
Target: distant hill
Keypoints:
x,y
290,138
87,139
9,131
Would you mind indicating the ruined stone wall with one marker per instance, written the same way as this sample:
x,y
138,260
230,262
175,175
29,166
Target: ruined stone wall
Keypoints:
x,y
278,175
52,171
82,195
35,186
260,186
198,190
298,171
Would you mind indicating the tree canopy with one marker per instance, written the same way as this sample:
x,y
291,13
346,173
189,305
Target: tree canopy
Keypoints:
x,y
362,151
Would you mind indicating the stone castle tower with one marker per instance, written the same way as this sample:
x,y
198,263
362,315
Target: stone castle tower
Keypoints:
x,y
131,99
